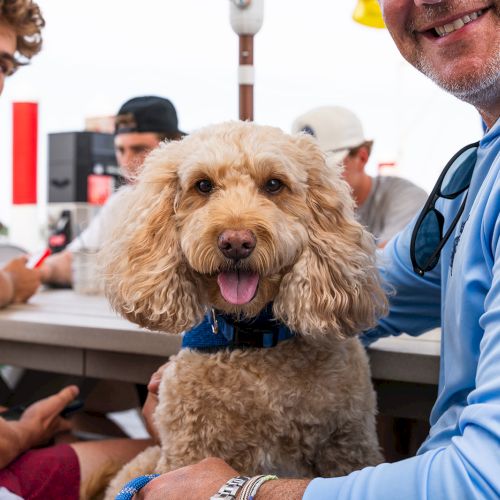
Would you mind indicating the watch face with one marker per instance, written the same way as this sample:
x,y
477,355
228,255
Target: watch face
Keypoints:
x,y
242,3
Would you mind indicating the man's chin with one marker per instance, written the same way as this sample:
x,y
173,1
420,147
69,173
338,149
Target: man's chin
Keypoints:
x,y
469,80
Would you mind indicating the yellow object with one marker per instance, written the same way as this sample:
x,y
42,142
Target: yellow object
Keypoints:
x,y
368,12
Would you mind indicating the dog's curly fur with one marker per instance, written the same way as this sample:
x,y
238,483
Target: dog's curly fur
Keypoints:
x,y
305,407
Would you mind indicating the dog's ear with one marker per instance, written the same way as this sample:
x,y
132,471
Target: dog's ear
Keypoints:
x,y
147,279
334,287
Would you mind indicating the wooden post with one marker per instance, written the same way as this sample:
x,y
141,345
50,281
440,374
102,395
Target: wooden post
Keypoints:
x,y
246,77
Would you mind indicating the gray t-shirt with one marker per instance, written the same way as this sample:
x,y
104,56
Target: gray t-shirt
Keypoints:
x,y
391,204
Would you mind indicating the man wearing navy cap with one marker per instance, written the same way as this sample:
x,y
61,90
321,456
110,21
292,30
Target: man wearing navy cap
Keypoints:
x,y
140,125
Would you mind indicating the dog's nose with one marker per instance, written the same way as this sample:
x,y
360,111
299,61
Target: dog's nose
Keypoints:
x,y
236,244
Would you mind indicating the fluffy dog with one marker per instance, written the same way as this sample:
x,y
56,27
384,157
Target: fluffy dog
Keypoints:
x,y
234,220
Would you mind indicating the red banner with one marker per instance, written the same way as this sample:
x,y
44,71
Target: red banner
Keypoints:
x,y
24,152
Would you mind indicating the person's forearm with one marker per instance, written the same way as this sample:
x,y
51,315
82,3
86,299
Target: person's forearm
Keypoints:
x,y
278,489
57,269
6,288
14,440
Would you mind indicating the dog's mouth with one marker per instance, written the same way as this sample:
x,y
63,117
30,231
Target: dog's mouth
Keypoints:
x,y
238,287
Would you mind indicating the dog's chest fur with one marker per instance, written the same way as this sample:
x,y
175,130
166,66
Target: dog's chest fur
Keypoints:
x,y
260,409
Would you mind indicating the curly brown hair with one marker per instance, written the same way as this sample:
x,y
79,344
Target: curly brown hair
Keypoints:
x,y
25,18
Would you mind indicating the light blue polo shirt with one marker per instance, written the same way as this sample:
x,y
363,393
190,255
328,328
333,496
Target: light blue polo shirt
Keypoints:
x,y
461,457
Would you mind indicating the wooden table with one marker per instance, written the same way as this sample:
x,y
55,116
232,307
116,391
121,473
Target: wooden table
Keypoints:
x,y
61,331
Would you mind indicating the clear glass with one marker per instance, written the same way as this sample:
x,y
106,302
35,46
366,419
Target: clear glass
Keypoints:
x,y
86,275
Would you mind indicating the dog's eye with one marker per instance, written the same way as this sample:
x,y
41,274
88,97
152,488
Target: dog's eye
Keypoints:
x,y
204,186
273,186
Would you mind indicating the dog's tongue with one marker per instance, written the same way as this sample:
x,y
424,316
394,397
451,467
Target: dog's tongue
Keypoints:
x,y
238,287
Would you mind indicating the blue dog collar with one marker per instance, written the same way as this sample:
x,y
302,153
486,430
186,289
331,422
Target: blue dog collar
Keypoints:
x,y
220,331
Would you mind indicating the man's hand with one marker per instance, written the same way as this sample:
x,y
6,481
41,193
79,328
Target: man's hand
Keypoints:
x,y
25,281
196,482
41,421
204,479
57,269
152,402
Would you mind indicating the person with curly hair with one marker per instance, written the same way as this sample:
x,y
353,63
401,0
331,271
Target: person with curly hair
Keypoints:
x,y
21,24
62,471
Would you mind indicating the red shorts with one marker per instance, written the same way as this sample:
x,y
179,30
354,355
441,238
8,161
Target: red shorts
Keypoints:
x,y
48,473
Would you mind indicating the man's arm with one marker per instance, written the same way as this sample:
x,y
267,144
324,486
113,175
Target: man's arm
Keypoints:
x,y
202,480
57,269
466,467
414,302
291,489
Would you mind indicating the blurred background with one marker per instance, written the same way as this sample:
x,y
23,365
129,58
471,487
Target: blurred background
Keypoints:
x,y
97,54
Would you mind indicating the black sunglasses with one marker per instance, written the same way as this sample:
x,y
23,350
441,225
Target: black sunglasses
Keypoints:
x,y
427,239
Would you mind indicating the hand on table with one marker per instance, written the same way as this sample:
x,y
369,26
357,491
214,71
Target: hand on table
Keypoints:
x,y
56,269
25,281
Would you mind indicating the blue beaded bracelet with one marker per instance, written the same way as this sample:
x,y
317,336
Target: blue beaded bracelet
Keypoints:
x,y
132,487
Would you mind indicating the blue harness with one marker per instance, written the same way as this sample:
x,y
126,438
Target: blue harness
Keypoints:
x,y
221,331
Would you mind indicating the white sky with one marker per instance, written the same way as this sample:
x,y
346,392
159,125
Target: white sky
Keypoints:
x,y
99,53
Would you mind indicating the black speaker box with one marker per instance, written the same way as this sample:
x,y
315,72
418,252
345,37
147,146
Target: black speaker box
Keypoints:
x,y
73,156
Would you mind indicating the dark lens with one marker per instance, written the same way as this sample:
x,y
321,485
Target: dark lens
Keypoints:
x,y
458,177
428,238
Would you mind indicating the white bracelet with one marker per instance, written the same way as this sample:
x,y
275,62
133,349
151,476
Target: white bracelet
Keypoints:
x,y
229,489
252,486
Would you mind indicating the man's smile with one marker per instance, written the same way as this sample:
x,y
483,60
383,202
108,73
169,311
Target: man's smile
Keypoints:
x,y
457,23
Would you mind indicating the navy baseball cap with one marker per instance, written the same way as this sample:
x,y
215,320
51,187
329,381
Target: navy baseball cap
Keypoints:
x,y
147,114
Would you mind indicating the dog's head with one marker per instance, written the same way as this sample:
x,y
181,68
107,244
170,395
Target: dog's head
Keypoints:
x,y
236,216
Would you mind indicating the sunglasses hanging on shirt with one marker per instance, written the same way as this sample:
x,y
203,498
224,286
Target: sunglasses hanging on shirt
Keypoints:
x,y
427,239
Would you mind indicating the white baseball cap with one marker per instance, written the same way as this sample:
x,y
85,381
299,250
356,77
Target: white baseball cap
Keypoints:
x,y
336,129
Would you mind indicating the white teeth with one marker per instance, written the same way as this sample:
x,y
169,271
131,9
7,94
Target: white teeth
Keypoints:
x,y
457,24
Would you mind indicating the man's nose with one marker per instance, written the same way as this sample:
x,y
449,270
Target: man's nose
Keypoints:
x,y
127,160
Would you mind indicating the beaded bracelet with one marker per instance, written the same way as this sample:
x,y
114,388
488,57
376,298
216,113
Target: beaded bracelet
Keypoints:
x,y
134,486
252,486
229,489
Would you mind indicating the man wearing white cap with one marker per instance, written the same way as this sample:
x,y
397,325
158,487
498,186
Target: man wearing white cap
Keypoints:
x,y
385,203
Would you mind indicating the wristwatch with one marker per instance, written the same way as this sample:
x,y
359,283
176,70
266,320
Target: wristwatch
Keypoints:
x,y
229,489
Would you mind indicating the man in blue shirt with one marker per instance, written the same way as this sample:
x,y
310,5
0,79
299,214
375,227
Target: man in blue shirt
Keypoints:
x,y
457,44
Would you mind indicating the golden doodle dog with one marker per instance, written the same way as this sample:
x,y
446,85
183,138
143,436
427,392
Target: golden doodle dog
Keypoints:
x,y
244,231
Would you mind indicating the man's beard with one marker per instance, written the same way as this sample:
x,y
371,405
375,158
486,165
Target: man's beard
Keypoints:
x,y
476,87
480,85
